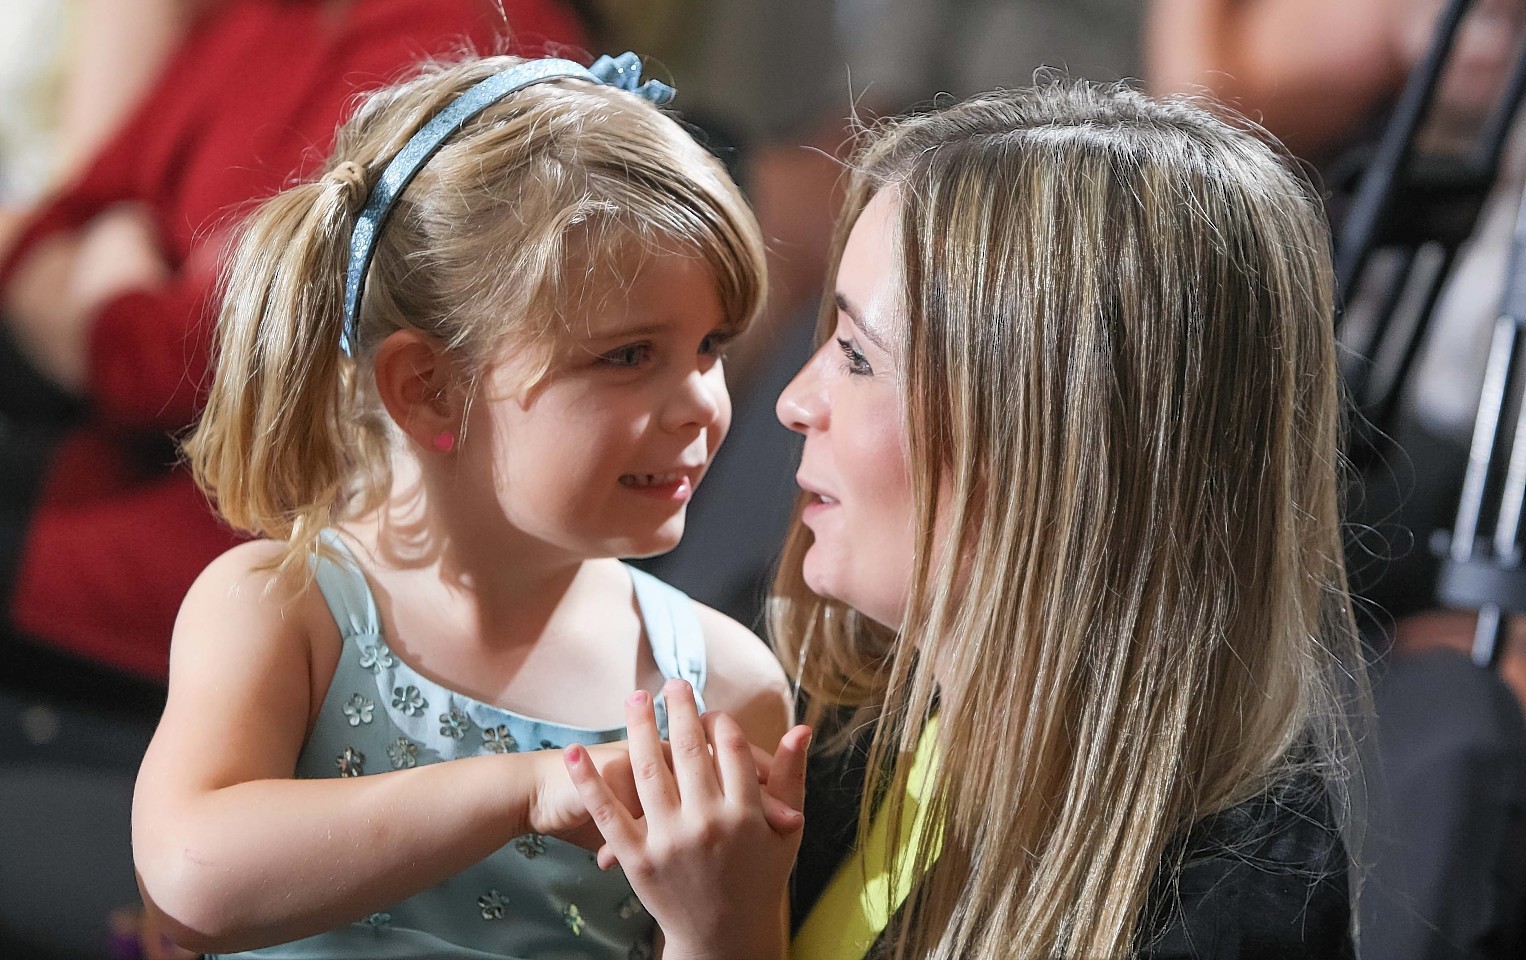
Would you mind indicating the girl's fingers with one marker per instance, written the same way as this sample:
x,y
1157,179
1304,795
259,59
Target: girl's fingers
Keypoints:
x,y
786,774
690,745
733,755
649,762
606,858
762,760
782,819
620,830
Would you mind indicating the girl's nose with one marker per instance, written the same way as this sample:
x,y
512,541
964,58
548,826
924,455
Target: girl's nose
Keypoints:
x,y
701,400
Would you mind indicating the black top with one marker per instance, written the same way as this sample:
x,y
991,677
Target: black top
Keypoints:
x,y
1265,879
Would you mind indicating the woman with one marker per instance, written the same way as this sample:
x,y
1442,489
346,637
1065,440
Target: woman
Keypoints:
x,y
1068,543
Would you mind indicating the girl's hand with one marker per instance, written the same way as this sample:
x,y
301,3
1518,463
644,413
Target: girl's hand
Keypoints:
x,y
558,809
711,856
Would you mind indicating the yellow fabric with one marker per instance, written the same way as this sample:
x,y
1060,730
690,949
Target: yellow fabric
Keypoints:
x,y
851,912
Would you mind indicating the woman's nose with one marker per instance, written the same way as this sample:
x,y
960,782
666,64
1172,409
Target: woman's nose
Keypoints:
x,y
803,404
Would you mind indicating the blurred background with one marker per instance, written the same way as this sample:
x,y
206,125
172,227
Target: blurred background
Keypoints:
x,y
134,132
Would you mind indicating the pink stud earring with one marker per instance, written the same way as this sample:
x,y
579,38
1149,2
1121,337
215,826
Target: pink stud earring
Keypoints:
x,y
445,441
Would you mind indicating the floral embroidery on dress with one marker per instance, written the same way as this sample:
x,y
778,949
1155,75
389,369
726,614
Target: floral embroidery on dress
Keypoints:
x,y
403,753
409,700
530,846
630,907
548,745
574,918
640,951
352,763
454,724
494,905
377,658
378,921
359,710
499,740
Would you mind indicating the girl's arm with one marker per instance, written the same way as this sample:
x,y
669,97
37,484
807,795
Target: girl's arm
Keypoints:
x,y
710,857
236,853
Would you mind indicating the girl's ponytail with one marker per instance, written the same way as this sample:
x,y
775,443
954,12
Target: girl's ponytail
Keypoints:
x,y
275,445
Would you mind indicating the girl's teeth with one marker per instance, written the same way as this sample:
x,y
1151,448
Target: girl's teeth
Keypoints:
x,y
649,479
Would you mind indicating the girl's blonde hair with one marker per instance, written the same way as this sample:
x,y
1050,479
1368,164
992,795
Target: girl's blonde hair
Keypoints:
x,y
1118,373
493,240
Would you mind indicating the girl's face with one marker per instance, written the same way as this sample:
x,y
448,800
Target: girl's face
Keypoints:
x,y
846,402
601,456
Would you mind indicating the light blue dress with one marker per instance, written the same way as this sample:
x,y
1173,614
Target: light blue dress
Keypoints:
x,y
535,898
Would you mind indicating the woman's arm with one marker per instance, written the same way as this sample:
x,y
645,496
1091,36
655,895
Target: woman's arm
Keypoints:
x,y
232,850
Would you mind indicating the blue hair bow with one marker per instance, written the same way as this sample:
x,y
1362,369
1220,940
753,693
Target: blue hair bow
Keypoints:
x,y
622,72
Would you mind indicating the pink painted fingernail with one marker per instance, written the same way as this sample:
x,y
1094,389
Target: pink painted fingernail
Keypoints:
x,y
637,699
574,754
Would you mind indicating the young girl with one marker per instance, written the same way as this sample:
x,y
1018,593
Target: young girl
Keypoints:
x,y
458,375
1068,547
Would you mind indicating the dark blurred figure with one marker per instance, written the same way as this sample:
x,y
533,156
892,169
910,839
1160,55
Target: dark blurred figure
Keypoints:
x,y
1446,842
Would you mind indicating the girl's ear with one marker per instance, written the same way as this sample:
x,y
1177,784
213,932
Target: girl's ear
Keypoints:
x,y
418,386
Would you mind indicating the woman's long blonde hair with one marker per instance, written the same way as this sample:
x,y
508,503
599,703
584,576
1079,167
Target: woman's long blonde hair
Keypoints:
x,y
1119,375
495,236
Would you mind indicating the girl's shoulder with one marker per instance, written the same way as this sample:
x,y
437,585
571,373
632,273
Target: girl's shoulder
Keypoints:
x,y
244,596
254,567
744,677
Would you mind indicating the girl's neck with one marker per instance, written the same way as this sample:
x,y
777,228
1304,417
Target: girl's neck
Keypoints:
x,y
542,634
490,578
432,543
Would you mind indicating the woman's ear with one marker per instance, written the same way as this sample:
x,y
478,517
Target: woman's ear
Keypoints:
x,y
418,387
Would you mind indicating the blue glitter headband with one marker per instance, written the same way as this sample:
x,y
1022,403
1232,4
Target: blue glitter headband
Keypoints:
x,y
623,72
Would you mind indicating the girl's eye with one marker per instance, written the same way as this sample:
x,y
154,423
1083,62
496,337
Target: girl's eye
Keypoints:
x,y
633,355
857,364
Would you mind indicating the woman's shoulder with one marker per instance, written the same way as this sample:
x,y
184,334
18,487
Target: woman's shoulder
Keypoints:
x,y
1265,878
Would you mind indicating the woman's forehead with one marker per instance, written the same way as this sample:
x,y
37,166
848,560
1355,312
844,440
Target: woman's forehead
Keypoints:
x,y
868,276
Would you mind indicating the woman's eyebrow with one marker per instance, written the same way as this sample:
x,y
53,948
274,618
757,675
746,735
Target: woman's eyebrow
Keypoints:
x,y
846,306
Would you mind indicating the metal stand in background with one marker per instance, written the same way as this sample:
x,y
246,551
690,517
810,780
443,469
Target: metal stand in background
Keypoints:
x,y
1484,571
1424,209
1408,204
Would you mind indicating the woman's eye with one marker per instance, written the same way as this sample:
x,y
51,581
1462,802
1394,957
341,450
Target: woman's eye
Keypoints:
x,y
857,364
715,345
633,355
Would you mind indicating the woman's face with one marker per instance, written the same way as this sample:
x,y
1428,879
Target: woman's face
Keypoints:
x,y
846,402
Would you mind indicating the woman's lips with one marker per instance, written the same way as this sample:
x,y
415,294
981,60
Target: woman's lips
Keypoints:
x,y
819,503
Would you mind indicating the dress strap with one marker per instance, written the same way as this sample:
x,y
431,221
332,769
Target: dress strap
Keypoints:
x,y
672,630
345,589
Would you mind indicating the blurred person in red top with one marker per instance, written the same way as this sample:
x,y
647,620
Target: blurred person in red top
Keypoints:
x,y
109,287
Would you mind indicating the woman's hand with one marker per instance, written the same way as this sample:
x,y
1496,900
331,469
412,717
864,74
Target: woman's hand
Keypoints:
x,y
711,855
